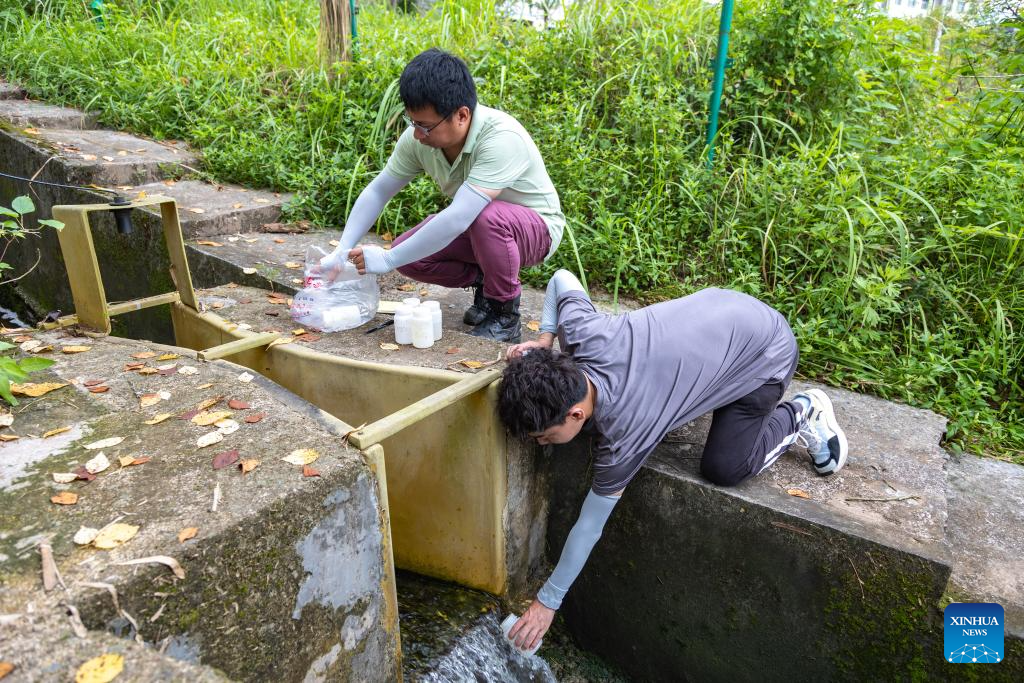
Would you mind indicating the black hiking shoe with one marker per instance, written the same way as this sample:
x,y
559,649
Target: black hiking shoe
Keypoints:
x,y
501,323
476,313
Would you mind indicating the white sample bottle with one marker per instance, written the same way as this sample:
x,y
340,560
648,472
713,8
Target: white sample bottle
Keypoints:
x,y
507,625
412,301
403,324
422,328
435,312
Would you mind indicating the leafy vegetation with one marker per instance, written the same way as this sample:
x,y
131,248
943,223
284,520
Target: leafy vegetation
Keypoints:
x,y
868,187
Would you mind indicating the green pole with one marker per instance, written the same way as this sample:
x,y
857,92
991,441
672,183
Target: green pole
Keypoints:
x,y
721,61
352,14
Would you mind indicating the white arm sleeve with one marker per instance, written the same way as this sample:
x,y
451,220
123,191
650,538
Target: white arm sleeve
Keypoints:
x,y
364,213
432,237
562,281
581,540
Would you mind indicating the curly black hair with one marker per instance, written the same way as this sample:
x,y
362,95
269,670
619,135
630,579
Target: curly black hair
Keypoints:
x,y
438,79
538,389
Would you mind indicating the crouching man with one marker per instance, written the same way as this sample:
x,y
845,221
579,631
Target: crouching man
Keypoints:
x,y
632,378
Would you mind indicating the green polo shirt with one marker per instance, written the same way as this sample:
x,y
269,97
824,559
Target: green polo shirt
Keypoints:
x,y
498,155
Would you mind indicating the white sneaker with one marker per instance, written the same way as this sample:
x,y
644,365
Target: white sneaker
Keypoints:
x,y
821,434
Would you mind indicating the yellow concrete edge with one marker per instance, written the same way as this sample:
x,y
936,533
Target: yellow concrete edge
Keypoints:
x,y
374,456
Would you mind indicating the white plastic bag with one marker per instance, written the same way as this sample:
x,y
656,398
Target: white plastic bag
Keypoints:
x,y
348,302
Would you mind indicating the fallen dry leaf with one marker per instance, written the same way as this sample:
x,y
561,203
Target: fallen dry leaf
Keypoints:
x,y
55,432
334,243
388,346
387,237
107,158
74,349
248,465
205,418
102,669
799,493
222,460
143,354
237,205
308,471
97,464
302,456
294,265
209,243
236,404
64,477
298,331
245,378
280,341
424,292
165,560
64,498
209,403
168,356
249,271
159,418
453,350
533,325
82,473
147,400
115,535
227,426
149,371
85,535
255,417
128,461
99,390
122,153
209,439
93,382
473,364
407,287
34,390
187,533
308,337
297,280
5,668
6,420
261,200
205,386
43,349
30,345
196,210
89,157
188,370
9,437
104,443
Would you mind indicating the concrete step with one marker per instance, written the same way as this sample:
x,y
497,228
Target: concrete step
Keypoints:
x,y
10,91
285,575
819,577
211,210
30,114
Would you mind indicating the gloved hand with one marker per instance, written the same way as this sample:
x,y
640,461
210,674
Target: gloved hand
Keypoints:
x,y
332,264
371,259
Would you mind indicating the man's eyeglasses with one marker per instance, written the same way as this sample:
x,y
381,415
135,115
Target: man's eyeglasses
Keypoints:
x,y
424,130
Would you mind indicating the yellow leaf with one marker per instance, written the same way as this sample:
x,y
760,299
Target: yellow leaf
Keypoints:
x,y
799,493
187,533
74,349
209,243
143,354
205,386
294,265
407,287
9,437
35,390
205,419
122,153
387,346
158,419
169,356
261,200
280,341
197,210
102,669
141,195
248,465
533,325
298,332
64,498
297,280
474,364
115,535
203,405
237,205
147,400
126,460
148,371
302,456
55,432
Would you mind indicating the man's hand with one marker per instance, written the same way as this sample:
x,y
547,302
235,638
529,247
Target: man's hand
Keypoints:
x,y
369,259
517,350
532,626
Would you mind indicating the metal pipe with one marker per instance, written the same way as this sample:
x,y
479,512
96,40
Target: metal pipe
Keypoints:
x,y
721,61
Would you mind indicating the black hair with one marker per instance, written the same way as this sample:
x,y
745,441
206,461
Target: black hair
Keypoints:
x,y
538,389
438,79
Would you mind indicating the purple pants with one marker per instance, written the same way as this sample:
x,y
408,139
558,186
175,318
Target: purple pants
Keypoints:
x,y
502,239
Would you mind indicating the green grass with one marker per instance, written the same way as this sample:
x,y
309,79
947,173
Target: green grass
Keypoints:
x,y
870,191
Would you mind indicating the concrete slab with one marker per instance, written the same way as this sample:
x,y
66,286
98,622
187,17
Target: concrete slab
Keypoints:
x,y
207,210
114,159
284,577
986,515
10,91
30,114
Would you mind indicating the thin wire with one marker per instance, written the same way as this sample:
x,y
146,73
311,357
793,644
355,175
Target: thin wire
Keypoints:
x,y
70,187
